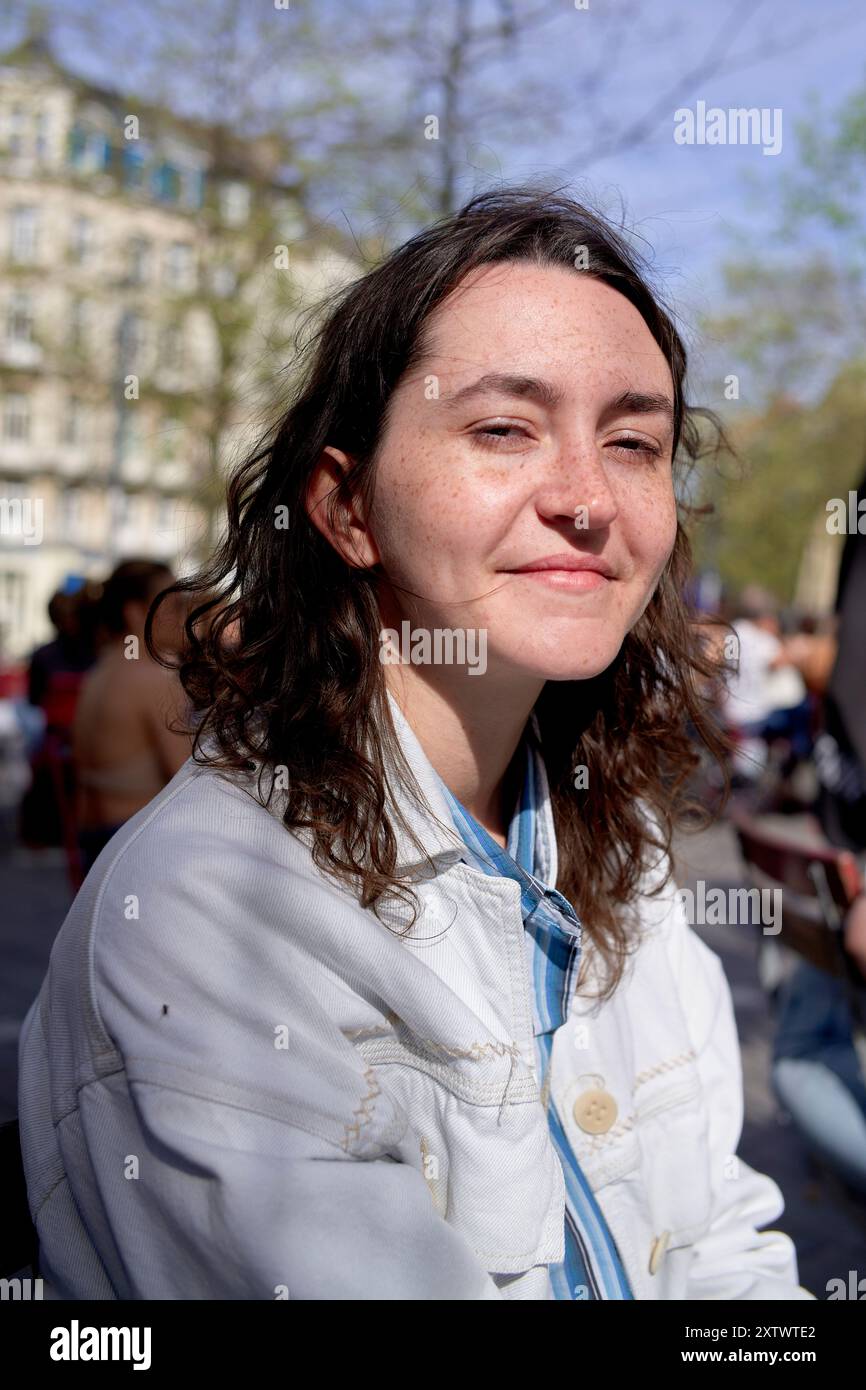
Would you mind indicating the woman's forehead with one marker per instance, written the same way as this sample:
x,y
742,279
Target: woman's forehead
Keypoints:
x,y
519,317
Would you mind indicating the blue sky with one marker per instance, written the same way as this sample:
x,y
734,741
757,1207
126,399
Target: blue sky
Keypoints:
x,y
689,202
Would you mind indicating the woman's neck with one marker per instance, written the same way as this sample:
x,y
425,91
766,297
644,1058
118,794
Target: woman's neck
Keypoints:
x,y
470,741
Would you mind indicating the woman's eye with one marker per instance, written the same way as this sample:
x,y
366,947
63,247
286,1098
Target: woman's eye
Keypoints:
x,y
630,445
497,436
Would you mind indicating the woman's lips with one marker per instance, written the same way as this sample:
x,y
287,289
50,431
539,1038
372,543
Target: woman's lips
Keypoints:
x,y
574,581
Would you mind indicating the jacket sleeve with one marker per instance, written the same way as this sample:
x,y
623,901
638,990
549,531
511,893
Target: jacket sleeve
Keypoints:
x,y
735,1258
228,1166
241,1205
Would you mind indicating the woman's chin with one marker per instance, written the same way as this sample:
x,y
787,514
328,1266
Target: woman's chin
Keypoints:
x,y
568,666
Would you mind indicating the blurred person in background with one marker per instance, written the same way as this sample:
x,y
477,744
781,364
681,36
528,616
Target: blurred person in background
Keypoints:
x,y
54,681
124,747
54,677
812,649
766,695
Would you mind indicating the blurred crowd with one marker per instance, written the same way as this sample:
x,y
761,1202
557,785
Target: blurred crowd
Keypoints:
x,y
793,704
99,726
794,707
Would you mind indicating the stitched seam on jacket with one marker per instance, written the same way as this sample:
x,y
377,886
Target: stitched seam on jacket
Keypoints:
x,y
363,1109
465,1089
235,1105
660,1067
474,1052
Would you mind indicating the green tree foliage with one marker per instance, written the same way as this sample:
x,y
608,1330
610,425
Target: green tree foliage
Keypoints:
x,y
792,458
793,329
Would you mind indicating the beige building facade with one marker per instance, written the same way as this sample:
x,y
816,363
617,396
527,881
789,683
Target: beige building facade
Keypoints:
x,y
120,235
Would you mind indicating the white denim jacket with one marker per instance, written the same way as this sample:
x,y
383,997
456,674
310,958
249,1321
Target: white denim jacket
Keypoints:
x,y
237,1083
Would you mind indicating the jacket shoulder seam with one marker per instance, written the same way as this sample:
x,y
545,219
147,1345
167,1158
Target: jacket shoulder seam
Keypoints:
x,y
295,1124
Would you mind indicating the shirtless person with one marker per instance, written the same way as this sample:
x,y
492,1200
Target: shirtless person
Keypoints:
x,y
123,747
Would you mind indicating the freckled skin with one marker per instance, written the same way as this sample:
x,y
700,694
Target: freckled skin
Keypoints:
x,y
453,513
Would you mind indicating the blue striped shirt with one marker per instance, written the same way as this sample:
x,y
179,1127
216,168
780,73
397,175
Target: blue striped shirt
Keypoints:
x,y
592,1268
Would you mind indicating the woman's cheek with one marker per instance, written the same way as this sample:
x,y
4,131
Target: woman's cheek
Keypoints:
x,y
657,520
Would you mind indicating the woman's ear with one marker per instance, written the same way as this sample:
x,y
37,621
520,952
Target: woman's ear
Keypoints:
x,y
339,518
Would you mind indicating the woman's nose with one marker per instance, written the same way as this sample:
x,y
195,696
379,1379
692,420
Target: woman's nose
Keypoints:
x,y
579,489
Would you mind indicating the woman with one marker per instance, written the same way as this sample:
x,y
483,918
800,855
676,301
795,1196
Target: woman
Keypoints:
x,y
408,908
124,744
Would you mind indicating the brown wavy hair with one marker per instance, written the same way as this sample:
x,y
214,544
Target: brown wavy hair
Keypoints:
x,y
283,665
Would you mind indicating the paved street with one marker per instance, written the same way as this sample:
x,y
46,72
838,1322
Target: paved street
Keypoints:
x,y
34,893
827,1224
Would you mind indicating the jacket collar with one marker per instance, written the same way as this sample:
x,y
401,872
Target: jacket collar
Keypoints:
x,y
423,828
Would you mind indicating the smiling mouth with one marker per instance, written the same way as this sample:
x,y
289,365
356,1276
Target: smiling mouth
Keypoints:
x,y
569,570
571,580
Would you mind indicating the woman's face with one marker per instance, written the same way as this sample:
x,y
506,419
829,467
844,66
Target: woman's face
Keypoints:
x,y
538,429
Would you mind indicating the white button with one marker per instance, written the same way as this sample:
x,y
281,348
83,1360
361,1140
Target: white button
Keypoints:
x,y
595,1111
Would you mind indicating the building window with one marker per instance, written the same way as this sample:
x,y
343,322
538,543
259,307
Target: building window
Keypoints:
x,y
166,182
193,187
224,280
24,234
133,164
15,143
16,416
73,422
234,203
79,315
41,143
171,348
132,339
180,266
77,145
89,150
71,509
19,318
81,243
139,260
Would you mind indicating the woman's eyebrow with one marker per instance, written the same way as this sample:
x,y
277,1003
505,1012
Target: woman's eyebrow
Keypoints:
x,y
641,403
506,384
